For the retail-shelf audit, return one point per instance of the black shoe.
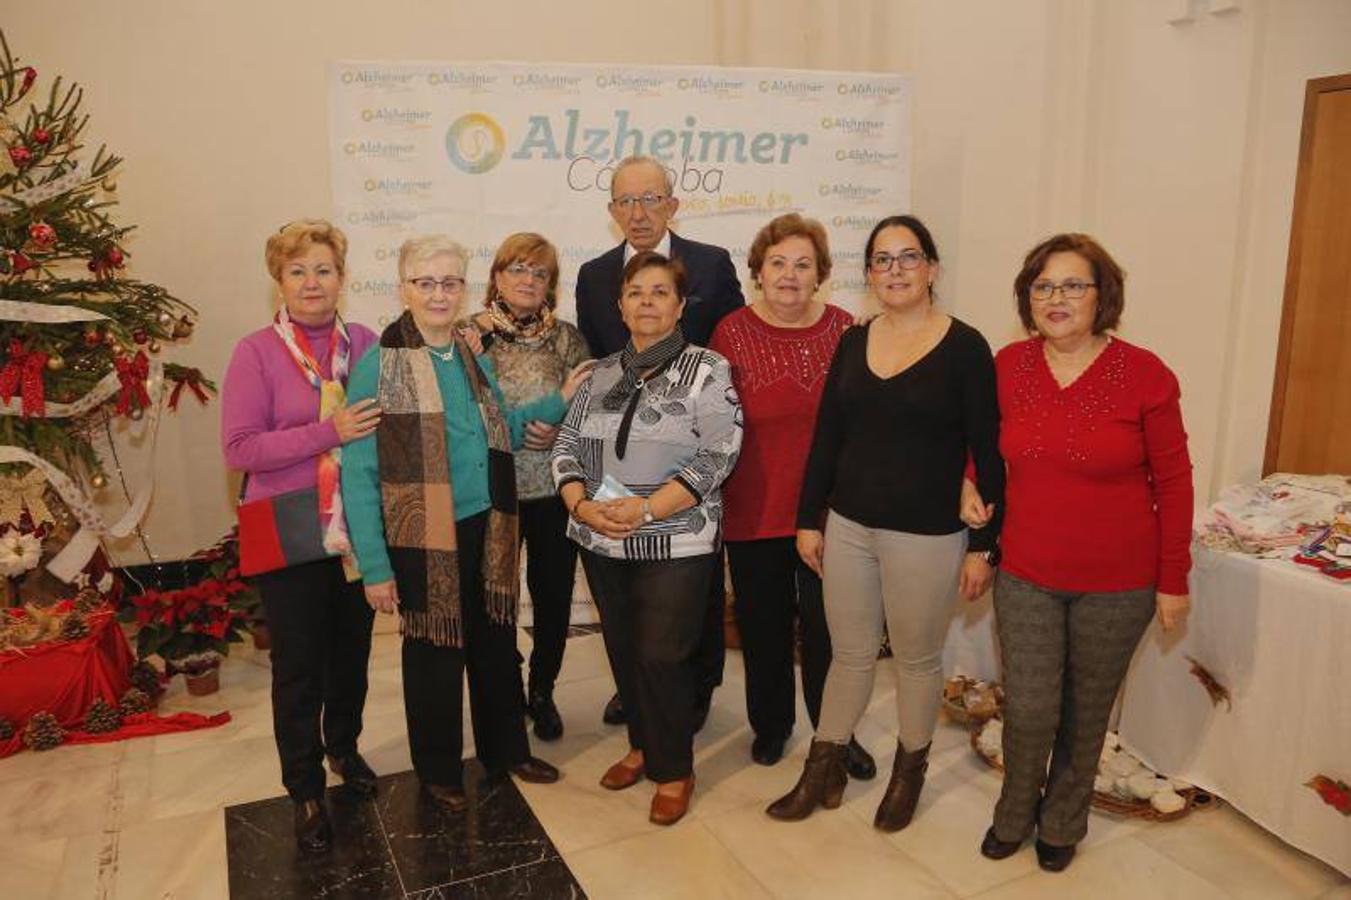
(1054, 859)
(356, 775)
(313, 833)
(548, 723)
(702, 705)
(449, 796)
(614, 712)
(535, 771)
(767, 750)
(992, 847)
(859, 763)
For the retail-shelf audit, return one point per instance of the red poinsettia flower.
(1336, 794)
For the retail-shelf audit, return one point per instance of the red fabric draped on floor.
(65, 677)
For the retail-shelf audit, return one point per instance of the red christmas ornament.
(21, 263)
(30, 75)
(20, 156)
(139, 336)
(41, 135)
(42, 234)
(114, 257)
(92, 338)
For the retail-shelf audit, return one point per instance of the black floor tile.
(434, 846)
(265, 864)
(550, 880)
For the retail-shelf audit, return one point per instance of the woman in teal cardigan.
(431, 508)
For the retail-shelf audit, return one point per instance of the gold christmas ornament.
(153, 346)
(183, 328)
(165, 318)
(56, 362)
(98, 480)
(136, 414)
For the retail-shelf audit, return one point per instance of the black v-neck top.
(890, 452)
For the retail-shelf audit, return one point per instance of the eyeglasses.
(909, 259)
(518, 269)
(649, 201)
(427, 286)
(1071, 289)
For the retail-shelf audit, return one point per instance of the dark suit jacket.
(711, 292)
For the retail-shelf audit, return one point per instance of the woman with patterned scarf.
(431, 500)
(532, 352)
(639, 463)
(284, 423)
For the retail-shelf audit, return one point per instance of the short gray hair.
(425, 246)
(630, 161)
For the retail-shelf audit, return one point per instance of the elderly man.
(642, 204)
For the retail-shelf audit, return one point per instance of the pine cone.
(134, 701)
(88, 600)
(74, 627)
(6, 729)
(43, 732)
(102, 717)
(145, 678)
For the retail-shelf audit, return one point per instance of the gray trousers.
(911, 581)
(1064, 655)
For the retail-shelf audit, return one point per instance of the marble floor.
(146, 818)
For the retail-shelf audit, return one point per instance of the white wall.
(1174, 143)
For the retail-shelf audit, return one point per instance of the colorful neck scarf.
(332, 397)
(510, 327)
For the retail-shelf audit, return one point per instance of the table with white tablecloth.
(1277, 636)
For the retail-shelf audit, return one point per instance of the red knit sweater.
(1099, 481)
(778, 373)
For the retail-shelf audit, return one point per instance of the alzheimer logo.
(475, 143)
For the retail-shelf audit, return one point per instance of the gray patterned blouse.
(526, 371)
(687, 426)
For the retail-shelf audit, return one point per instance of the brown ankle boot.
(822, 784)
(902, 796)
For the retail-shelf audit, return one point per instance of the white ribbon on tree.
(46, 313)
(76, 554)
(105, 390)
(47, 190)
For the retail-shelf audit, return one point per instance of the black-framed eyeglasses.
(1070, 289)
(908, 259)
(648, 201)
(427, 286)
(519, 269)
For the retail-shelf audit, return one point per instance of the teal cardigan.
(465, 436)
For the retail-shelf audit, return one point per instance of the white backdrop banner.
(481, 150)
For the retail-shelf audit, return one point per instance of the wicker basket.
(954, 691)
(1193, 797)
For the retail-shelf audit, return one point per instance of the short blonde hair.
(425, 246)
(527, 247)
(294, 238)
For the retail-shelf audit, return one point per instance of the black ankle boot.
(548, 723)
(1052, 858)
(313, 833)
(902, 796)
(859, 763)
(822, 784)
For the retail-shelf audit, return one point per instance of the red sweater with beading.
(1099, 494)
(778, 374)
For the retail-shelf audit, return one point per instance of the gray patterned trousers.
(1065, 655)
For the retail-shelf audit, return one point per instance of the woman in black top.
(904, 399)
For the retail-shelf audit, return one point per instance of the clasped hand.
(616, 519)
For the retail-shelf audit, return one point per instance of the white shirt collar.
(663, 247)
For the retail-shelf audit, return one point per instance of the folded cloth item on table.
(1274, 516)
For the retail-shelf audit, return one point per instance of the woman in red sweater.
(780, 348)
(1096, 535)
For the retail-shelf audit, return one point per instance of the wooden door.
(1310, 426)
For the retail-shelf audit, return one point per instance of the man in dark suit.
(642, 203)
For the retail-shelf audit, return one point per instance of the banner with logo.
(481, 150)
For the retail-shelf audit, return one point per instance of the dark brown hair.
(781, 229)
(650, 259)
(526, 247)
(1110, 280)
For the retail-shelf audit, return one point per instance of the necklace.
(445, 355)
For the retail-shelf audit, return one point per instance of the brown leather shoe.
(620, 776)
(535, 771)
(449, 796)
(667, 810)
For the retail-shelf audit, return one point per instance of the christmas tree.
(78, 339)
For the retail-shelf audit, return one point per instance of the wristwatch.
(648, 518)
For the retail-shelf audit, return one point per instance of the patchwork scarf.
(509, 327)
(417, 497)
(332, 396)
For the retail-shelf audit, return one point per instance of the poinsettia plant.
(200, 620)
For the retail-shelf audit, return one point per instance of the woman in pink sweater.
(283, 420)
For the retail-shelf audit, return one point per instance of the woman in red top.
(780, 349)
(1095, 538)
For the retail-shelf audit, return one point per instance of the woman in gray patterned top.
(533, 352)
(639, 462)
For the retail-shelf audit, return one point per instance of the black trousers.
(550, 570)
(651, 613)
(321, 643)
(433, 682)
(711, 653)
(773, 591)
